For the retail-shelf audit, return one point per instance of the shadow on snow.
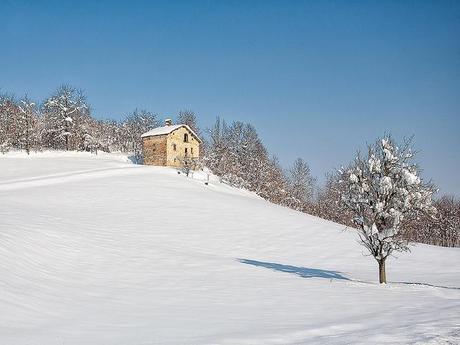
(303, 272)
(428, 285)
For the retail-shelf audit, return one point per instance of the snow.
(166, 130)
(386, 185)
(95, 250)
(161, 130)
(410, 178)
(353, 178)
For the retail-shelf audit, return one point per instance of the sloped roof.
(166, 130)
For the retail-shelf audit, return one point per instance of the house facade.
(170, 145)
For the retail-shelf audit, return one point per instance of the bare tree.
(238, 156)
(442, 230)
(188, 117)
(382, 188)
(137, 123)
(328, 205)
(301, 182)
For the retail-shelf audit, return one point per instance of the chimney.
(168, 122)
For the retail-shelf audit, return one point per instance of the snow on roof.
(166, 130)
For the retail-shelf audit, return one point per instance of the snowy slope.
(94, 250)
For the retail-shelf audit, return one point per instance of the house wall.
(177, 138)
(154, 150)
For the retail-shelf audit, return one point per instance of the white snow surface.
(95, 250)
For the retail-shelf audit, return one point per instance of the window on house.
(185, 138)
(174, 147)
(191, 150)
(186, 151)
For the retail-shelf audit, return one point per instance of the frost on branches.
(18, 123)
(381, 190)
(65, 113)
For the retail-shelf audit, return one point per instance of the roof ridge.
(164, 130)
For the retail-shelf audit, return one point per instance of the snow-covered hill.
(95, 250)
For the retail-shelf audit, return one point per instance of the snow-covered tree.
(8, 111)
(381, 189)
(61, 114)
(27, 124)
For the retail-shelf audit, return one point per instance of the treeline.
(233, 151)
(236, 154)
(64, 122)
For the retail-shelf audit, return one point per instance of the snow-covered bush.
(381, 189)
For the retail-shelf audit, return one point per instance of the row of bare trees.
(238, 156)
(233, 151)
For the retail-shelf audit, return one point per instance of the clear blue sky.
(318, 79)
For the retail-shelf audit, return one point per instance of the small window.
(185, 138)
(186, 151)
(174, 147)
(191, 150)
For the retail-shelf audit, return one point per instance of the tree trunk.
(66, 134)
(27, 140)
(382, 273)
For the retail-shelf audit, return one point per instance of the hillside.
(95, 250)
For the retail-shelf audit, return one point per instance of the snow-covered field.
(95, 250)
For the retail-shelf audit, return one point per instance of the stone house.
(170, 145)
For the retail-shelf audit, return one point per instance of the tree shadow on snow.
(303, 272)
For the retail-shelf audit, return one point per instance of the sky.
(318, 79)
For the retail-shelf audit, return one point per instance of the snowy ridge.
(101, 155)
(95, 250)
